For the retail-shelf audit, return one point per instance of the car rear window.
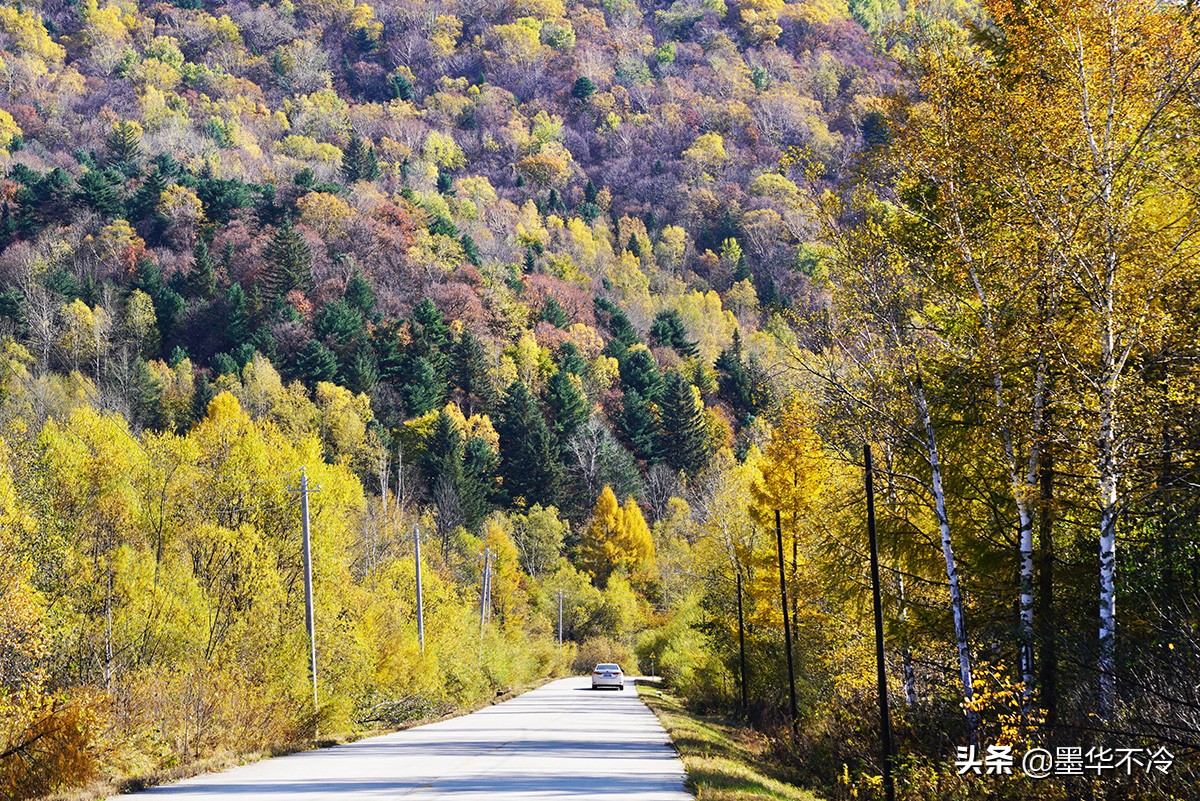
(608, 667)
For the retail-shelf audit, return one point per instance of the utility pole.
(885, 718)
(420, 594)
(483, 593)
(742, 645)
(308, 586)
(787, 630)
(488, 616)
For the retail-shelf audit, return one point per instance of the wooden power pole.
(420, 594)
(885, 718)
(787, 629)
(308, 586)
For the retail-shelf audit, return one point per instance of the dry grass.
(723, 762)
(105, 788)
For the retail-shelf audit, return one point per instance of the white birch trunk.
(943, 518)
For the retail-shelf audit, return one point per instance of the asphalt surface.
(563, 741)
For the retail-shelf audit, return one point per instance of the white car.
(607, 674)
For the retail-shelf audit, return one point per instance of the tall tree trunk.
(1048, 638)
(1109, 497)
(943, 518)
(908, 671)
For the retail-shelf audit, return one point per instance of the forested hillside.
(598, 289)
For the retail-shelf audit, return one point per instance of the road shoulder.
(723, 762)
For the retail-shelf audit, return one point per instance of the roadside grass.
(108, 787)
(723, 762)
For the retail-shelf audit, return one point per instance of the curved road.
(562, 741)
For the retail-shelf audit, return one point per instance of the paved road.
(563, 741)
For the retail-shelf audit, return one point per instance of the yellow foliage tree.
(616, 539)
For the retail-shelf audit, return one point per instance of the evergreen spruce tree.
(431, 338)
(479, 468)
(237, 317)
(144, 202)
(530, 263)
(551, 312)
(353, 158)
(668, 330)
(742, 271)
(360, 296)
(639, 372)
(619, 326)
(470, 250)
(568, 406)
(639, 426)
(529, 465)
(733, 380)
(424, 390)
(443, 451)
(583, 88)
(402, 88)
(289, 263)
(201, 397)
(361, 373)
(683, 438)
(370, 168)
(316, 363)
(472, 375)
(202, 278)
(124, 144)
(633, 247)
(100, 193)
(392, 361)
(570, 360)
(590, 192)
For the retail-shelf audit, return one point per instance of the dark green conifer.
(570, 359)
(551, 312)
(638, 424)
(568, 406)
(353, 158)
(144, 202)
(289, 263)
(742, 271)
(361, 373)
(201, 397)
(472, 374)
(361, 296)
(668, 330)
(470, 250)
(402, 88)
(202, 277)
(424, 389)
(683, 438)
(124, 144)
(479, 469)
(640, 372)
(583, 88)
(443, 453)
(619, 326)
(316, 363)
(237, 316)
(529, 465)
(100, 192)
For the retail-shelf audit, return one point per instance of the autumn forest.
(584, 296)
